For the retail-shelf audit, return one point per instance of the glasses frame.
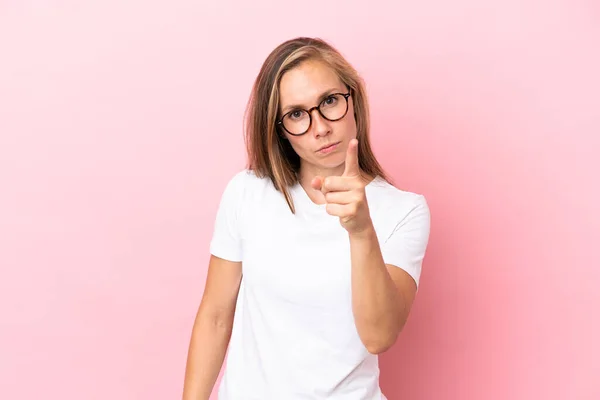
(309, 112)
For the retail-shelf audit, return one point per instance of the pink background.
(120, 124)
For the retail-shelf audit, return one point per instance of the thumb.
(317, 183)
(351, 168)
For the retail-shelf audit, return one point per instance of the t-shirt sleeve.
(405, 247)
(226, 241)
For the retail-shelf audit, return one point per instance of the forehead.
(305, 83)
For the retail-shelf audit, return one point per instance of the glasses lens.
(296, 122)
(334, 107)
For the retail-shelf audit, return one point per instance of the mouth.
(328, 148)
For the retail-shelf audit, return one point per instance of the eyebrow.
(322, 97)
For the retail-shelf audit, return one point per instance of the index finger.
(351, 167)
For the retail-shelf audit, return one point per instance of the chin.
(331, 165)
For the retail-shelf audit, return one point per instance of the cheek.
(298, 144)
(349, 125)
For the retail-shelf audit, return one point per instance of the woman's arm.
(212, 328)
(382, 295)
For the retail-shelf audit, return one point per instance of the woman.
(315, 257)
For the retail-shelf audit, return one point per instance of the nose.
(320, 125)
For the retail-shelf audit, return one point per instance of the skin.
(382, 295)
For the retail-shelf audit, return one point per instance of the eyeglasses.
(333, 108)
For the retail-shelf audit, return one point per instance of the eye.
(296, 114)
(331, 100)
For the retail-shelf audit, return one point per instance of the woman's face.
(305, 87)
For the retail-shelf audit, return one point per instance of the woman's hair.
(269, 152)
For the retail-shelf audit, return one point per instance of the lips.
(328, 145)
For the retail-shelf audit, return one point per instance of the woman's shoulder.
(247, 177)
(247, 181)
(250, 193)
(387, 191)
(389, 199)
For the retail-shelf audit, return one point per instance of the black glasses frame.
(318, 108)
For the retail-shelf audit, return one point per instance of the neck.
(307, 174)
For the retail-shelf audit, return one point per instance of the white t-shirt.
(294, 335)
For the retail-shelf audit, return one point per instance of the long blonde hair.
(269, 153)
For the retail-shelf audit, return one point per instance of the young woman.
(315, 256)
